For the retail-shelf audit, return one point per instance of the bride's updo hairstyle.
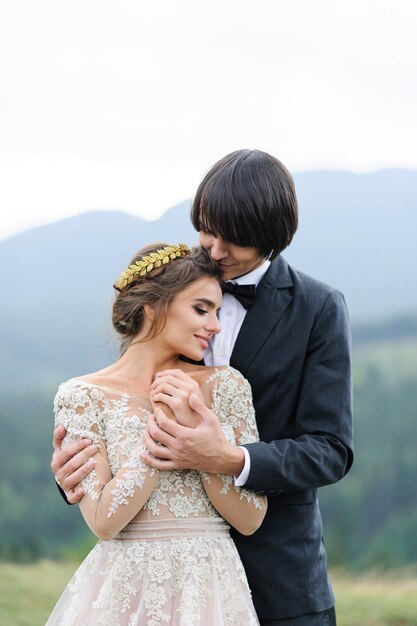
(158, 285)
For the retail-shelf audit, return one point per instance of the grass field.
(29, 592)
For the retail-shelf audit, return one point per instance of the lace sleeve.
(110, 501)
(232, 403)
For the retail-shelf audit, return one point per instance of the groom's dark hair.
(248, 199)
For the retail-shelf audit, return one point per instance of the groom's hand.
(203, 448)
(71, 464)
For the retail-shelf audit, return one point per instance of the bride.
(165, 555)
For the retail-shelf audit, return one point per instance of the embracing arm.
(243, 509)
(71, 464)
(209, 442)
(320, 453)
(110, 502)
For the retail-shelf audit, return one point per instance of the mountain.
(55, 319)
(357, 232)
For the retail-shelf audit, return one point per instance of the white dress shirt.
(231, 317)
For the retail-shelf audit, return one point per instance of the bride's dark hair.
(157, 288)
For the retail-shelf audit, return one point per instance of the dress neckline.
(130, 394)
(112, 389)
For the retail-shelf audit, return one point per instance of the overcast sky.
(124, 105)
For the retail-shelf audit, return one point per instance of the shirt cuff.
(243, 476)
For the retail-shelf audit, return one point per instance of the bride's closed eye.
(200, 310)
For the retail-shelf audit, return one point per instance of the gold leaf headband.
(149, 262)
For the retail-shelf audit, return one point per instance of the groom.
(288, 334)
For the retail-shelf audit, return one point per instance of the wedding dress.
(166, 556)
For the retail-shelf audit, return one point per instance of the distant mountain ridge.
(357, 232)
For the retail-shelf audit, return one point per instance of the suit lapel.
(272, 298)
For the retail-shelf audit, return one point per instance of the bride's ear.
(148, 312)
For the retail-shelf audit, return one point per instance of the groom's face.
(233, 261)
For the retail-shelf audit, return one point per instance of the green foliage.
(376, 599)
(395, 543)
(370, 517)
(34, 521)
(29, 592)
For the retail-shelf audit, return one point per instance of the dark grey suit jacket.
(294, 348)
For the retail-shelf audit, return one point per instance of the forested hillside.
(357, 232)
(370, 517)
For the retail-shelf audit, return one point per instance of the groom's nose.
(218, 249)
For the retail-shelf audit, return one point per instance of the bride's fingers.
(166, 380)
(177, 378)
(176, 403)
(163, 388)
(166, 387)
(171, 402)
(177, 373)
(162, 392)
(174, 382)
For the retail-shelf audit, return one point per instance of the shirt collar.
(254, 277)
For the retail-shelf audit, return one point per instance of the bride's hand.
(174, 388)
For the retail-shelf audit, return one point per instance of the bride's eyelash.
(200, 310)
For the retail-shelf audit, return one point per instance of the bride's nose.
(213, 325)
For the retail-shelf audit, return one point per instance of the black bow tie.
(245, 294)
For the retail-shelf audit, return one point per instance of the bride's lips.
(203, 341)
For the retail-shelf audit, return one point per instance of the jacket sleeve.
(110, 502)
(321, 451)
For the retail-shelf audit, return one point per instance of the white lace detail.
(156, 582)
(232, 403)
(125, 487)
(114, 423)
(118, 422)
(162, 582)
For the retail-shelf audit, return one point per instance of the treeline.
(397, 327)
(370, 517)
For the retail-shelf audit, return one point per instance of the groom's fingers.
(162, 429)
(155, 448)
(58, 437)
(62, 457)
(74, 495)
(159, 464)
(157, 455)
(198, 406)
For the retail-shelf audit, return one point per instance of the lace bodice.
(122, 488)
